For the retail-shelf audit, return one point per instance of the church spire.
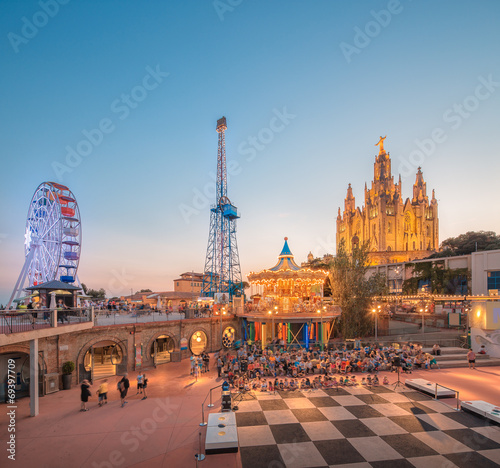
(419, 188)
(350, 202)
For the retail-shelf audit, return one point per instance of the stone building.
(397, 230)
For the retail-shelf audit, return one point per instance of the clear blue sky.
(343, 76)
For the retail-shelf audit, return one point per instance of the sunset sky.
(307, 89)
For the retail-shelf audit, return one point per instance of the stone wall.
(56, 350)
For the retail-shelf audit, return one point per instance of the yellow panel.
(492, 319)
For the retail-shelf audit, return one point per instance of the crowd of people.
(295, 368)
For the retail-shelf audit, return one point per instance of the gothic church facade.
(397, 230)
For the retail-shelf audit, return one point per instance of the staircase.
(104, 370)
(457, 357)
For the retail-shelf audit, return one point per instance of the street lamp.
(376, 323)
(423, 322)
(320, 311)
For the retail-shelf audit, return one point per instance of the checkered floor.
(361, 427)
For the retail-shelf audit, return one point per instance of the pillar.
(34, 410)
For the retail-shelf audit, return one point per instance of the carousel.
(288, 305)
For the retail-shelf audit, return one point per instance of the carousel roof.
(285, 260)
(286, 268)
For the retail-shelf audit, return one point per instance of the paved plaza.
(356, 427)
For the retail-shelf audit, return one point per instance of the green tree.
(353, 291)
(94, 293)
(143, 291)
(467, 243)
(441, 280)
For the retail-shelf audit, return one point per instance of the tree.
(95, 294)
(143, 291)
(324, 263)
(353, 291)
(440, 280)
(467, 243)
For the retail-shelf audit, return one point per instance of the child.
(139, 384)
(103, 393)
(354, 381)
(386, 380)
(375, 380)
(363, 381)
(369, 380)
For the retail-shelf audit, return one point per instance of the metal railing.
(447, 388)
(24, 320)
(120, 317)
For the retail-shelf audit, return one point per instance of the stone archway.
(102, 357)
(160, 348)
(16, 359)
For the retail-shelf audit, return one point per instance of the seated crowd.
(292, 368)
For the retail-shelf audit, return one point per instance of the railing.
(119, 317)
(447, 388)
(24, 320)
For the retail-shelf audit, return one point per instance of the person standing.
(471, 357)
(85, 395)
(139, 384)
(144, 385)
(123, 387)
(219, 366)
(103, 393)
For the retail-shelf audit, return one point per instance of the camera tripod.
(241, 396)
(398, 383)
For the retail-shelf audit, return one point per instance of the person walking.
(123, 386)
(471, 357)
(103, 393)
(144, 385)
(84, 397)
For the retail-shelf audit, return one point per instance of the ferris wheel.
(53, 238)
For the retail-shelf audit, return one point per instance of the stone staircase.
(457, 357)
(104, 370)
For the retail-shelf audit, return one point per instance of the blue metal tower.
(222, 263)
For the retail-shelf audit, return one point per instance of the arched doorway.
(161, 349)
(17, 365)
(103, 359)
(198, 342)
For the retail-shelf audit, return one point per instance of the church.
(397, 230)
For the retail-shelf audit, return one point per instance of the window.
(177, 283)
(389, 227)
(494, 279)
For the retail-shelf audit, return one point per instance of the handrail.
(448, 388)
(203, 423)
(210, 405)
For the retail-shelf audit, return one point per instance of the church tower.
(396, 230)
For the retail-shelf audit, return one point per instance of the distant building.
(483, 268)
(189, 282)
(397, 231)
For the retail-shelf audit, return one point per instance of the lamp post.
(376, 324)
(423, 323)
(320, 311)
(397, 270)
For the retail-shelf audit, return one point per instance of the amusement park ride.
(222, 273)
(53, 239)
